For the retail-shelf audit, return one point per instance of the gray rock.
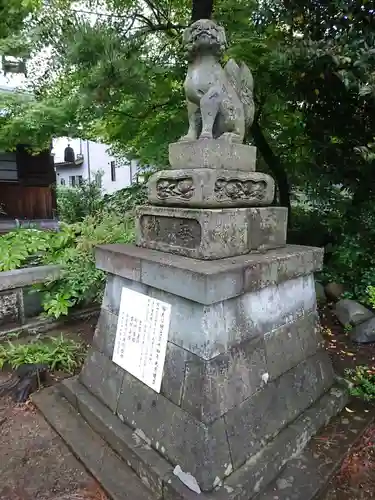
(350, 312)
(364, 333)
(334, 291)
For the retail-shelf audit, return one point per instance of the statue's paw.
(205, 135)
(187, 138)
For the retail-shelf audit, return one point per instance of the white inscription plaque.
(141, 337)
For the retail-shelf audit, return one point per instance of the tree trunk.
(275, 165)
(202, 9)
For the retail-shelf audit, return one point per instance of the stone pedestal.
(246, 381)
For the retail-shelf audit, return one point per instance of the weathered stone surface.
(364, 333)
(215, 386)
(263, 467)
(9, 307)
(207, 282)
(19, 278)
(267, 228)
(102, 377)
(350, 312)
(202, 234)
(211, 234)
(115, 475)
(209, 153)
(149, 465)
(334, 291)
(289, 345)
(199, 449)
(208, 188)
(219, 100)
(105, 332)
(307, 474)
(91, 446)
(113, 290)
(211, 330)
(258, 419)
(174, 373)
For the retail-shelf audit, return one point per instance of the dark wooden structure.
(27, 185)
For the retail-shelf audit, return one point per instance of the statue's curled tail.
(242, 80)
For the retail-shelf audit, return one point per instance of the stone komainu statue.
(220, 100)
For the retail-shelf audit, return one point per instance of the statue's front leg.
(193, 115)
(210, 104)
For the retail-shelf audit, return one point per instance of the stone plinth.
(209, 188)
(246, 382)
(211, 233)
(213, 154)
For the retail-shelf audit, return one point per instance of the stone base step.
(116, 477)
(307, 475)
(128, 468)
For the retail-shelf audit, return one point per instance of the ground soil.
(34, 462)
(356, 478)
(36, 465)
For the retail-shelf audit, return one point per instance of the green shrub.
(73, 248)
(23, 247)
(76, 203)
(57, 353)
(353, 258)
(81, 282)
(362, 382)
(126, 199)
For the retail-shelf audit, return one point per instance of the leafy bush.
(23, 247)
(362, 382)
(353, 258)
(57, 353)
(76, 203)
(125, 199)
(80, 282)
(72, 247)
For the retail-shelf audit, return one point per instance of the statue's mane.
(218, 43)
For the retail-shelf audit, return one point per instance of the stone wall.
(17, 301)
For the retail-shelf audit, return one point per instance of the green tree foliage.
(115, 73)
(116, 69)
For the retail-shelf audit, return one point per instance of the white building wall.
(96, 159)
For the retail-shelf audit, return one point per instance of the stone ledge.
(116, 477)
(103, 435)
(208, 282)
(28, 276)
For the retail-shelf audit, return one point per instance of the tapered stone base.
(121, 458)
(245, 384)
(245, 381)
